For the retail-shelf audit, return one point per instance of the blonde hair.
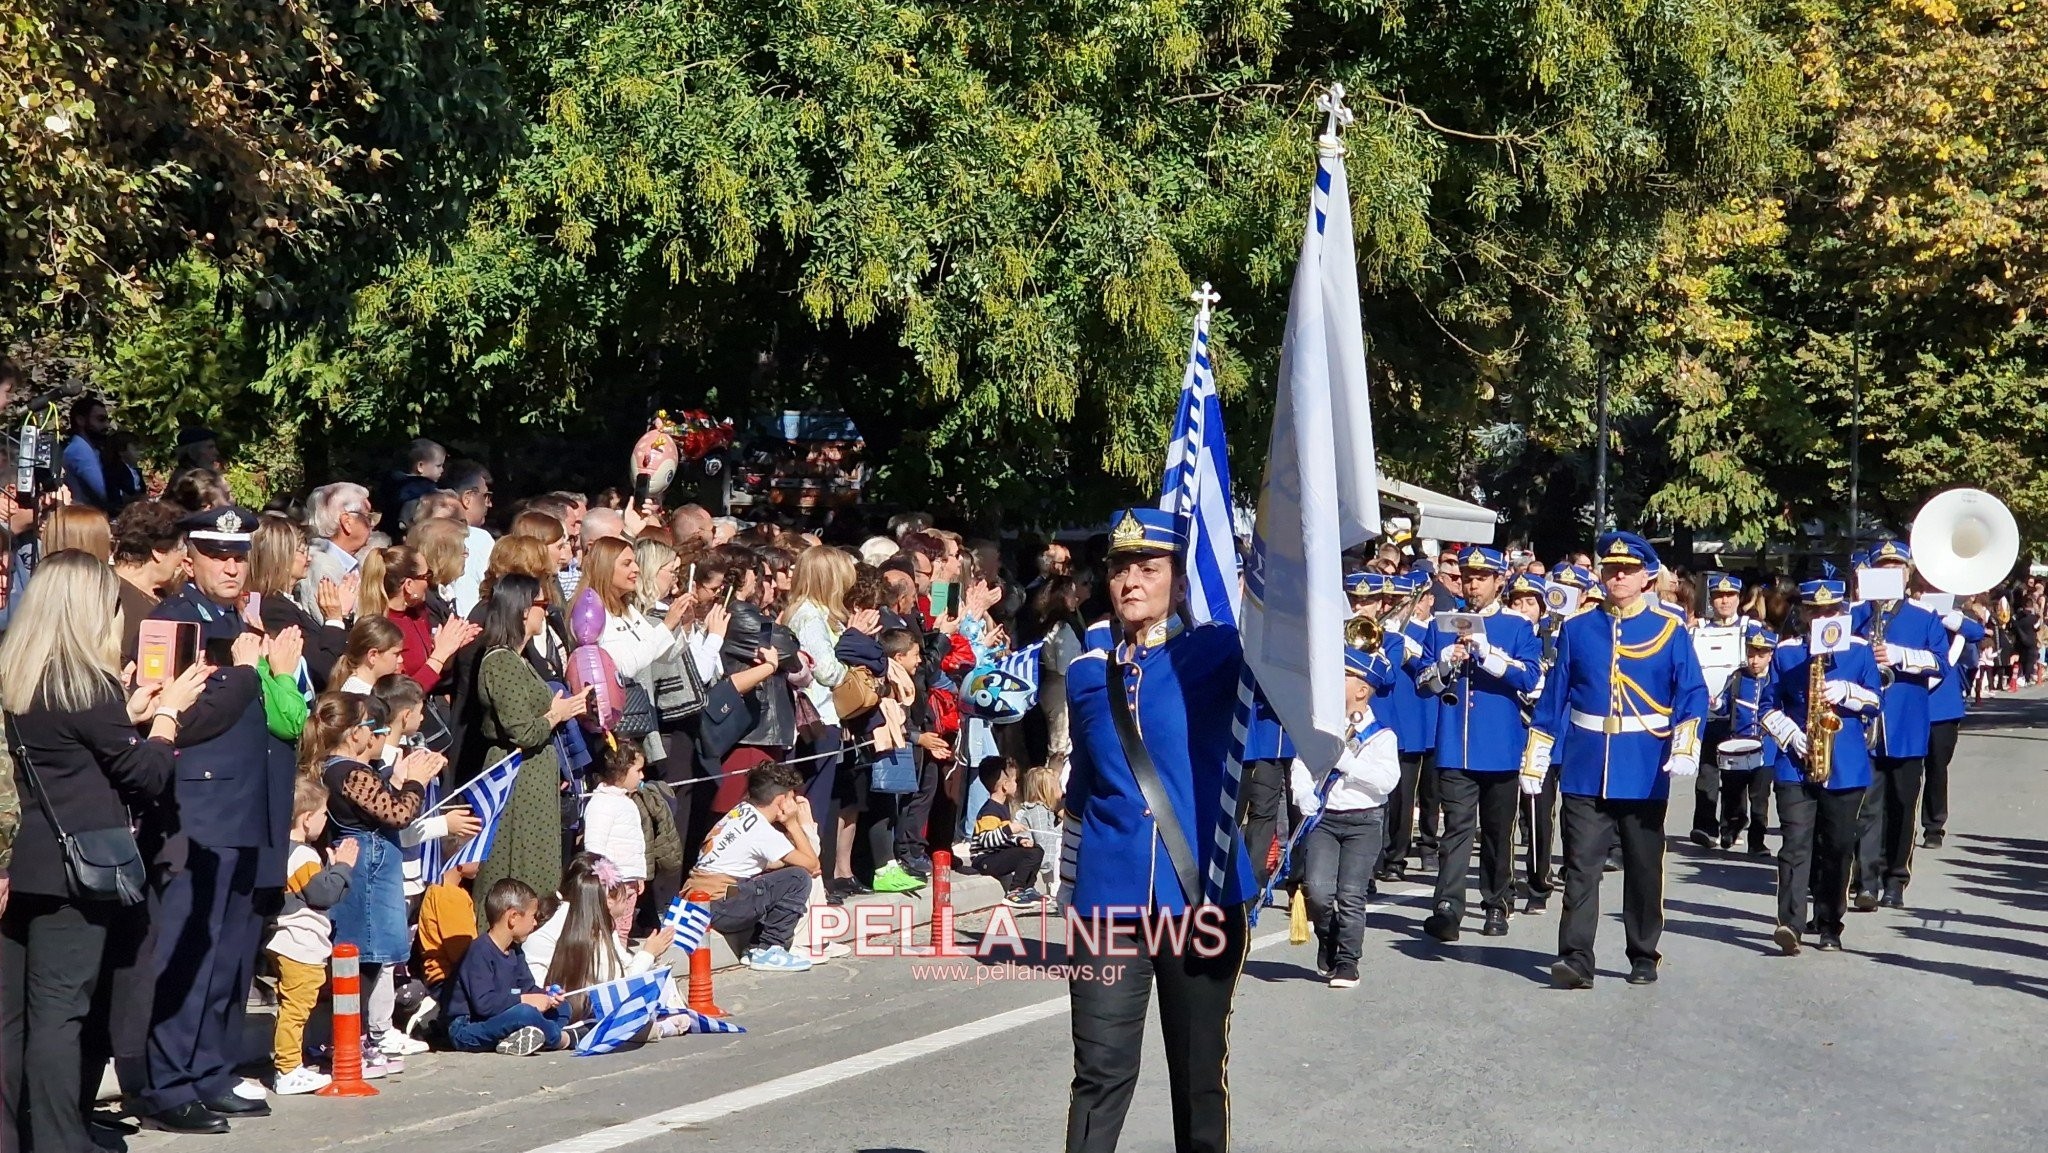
(384, 571)
(63, 647)
(273, 553)
(78, 527)
(1042, 787)
(600, 561)
(653, 555)
(443, 545)
(822, 577)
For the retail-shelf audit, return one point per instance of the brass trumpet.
(1364, 633)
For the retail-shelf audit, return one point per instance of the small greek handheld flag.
(699, 1023)
(623, 1010)
(487, 797)
(690, 920)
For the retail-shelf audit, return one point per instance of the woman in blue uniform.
(1151, 724)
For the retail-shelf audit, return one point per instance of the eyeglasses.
(369, 516)
(540, 602)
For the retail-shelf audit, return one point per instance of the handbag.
(894, 771)
(855, 696)
(638, 718)
(678, 691)
(99, 864)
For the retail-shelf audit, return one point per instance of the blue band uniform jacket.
(1625, 697)
(1858, 669)
(1945, 701)
(1183, 689)
(1481, 727)
(1414, 713)
(1918, 646)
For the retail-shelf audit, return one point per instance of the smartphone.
(252, 611)
(943, 596)
(164, 650)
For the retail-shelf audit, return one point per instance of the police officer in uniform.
(1910, 646)
(1479, 681)
(231, 807)
(1152, 735)
(1817, 813)
(1718, 640)
(1626, 700)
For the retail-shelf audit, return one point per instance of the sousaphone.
(1965, 541)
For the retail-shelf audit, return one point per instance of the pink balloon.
(591, 666)
(586, 618)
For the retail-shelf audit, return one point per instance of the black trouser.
(1015, 866)
(50, 956)
(821, 788)
(1592, 826)
(1706, 787)
(1111, 998)
(1539, 820)
(916, 810)
(1941, 749)
(1401, 814)
(1487, 800)
(1746, 801)
(1817, 833)
(1887, 825)
(1429, 808)
(1265, 791)
(1338, 856)
(208, 934)
(766, 908)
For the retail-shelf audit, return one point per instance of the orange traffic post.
(348, 1028)
(942, 902)
(700, 969)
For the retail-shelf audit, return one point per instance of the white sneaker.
(829, 951)
(524, 1041)
(397, 1044)
(250, 1089)
(776, 959)
(304, 1079)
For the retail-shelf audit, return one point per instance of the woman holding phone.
(519, 712)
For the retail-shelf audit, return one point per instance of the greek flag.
(699, 1023)
(1319, 495)
(623, 1010)
(690, 920)
(487, 797)
(1197, 487)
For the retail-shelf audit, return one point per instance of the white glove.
(1309, 804)
(1532, 784)
(1952, 620)
(1781, 727)
(1446, 668)
(1795, 743)
(1478, 647)
(1685, 765)
(1495, 662)
(1837, 692)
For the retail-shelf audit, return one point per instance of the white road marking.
(664, 1123)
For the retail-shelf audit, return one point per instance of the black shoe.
(1813, 924)
(1496, 923)
(1759, 849)
(1344, 976)
(1643, 973)
(1788, 940)
(1829, 943)
(1539, 904)
(1894, 898)
(1326, 957)
(1398, 871)
(1613, 865)
(189, 1118)
(1932, 840)
(1727, 843)
(1566, 975)
(919, 867)
(232, 1105)
(1703, 838)
(1866, 902)
(1442, 924)
(1430, 864)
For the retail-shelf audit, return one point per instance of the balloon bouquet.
(590, 667)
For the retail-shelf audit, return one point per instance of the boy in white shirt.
(757, 866)
(1347, 807)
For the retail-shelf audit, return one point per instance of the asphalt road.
(1924, 1035)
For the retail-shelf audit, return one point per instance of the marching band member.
(1747, 754)
(1945, 708)
(1910, 646)
(1411, 715)
(1625, 701)
(1538, 812)
(1818, 801)
(1151, 726)
(1717, 639)
(1479, 681)
(1346, 814)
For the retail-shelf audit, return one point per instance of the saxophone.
(1881, 619)
(1821, 723)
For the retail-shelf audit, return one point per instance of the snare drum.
(1740, 754)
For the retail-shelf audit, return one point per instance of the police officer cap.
(1523, 584)
(1823, 593)
(1722, 582)
(1137, 531)
(1624, 548)
(1479, 558)
(1891, 550)
(224, 529)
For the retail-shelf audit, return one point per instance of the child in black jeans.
(1003, 848)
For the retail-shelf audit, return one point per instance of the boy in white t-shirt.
(757, 866)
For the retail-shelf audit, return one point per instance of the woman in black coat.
(278, 560)
(82, 762)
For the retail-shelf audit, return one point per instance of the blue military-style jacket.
(1945, 702)
(1625, 696)
(1183, 692)
(1855, 667)
(1918, 646)
(1414, 715)
(1479, 723)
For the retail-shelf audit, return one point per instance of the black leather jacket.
(773, 705)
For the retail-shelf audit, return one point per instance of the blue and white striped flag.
(699, 1023)
(623, 1010)
(1197, 487)
(1319, 497)
(1023, 664)
(690, 919)
(486, 796)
